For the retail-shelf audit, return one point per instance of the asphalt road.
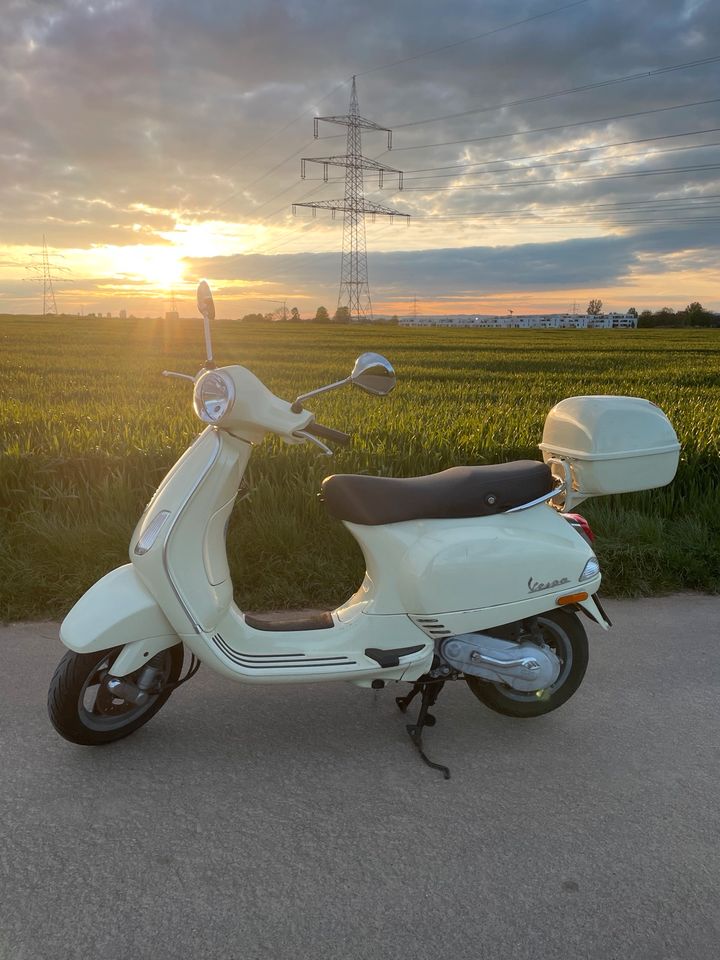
(298, 822)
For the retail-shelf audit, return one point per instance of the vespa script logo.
(537, 586)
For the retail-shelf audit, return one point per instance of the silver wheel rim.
(99, 710)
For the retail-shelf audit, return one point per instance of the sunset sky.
(553, 151)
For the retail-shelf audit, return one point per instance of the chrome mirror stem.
(206, 306)
(298, 404)
(208, 342)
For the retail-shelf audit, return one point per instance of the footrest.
(290, 620)
(391, 658)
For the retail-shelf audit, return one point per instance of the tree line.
(322, 315)
(694, 315)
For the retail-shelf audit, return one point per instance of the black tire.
(563, 632)
(105, 719)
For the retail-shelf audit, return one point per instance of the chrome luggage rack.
(555, 492)
(565, 488)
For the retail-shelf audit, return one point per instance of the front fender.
(118, 610)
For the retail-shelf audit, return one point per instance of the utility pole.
(284, 306)
(354, 284)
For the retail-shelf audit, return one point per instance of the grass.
(88, 428)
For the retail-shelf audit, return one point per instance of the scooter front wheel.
(565, 635)
(82, 708)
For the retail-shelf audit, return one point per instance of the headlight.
(214, 396)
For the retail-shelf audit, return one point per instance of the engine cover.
(523, 666)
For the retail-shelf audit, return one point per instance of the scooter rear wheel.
(83, 710)
(563, 632)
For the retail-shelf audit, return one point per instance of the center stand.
(430, 691)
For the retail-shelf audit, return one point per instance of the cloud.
(467, 271)
(121, 117)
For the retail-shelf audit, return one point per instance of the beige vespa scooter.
(472, 573)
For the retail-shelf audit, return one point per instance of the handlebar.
(327, 433)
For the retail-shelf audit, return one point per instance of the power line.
(561, 126)
(571, 217)
(565, 163)
(284, 209)
(262, 143)
(688, 219)
(222, 203)
(525, 210)
(461, 166)
(269, 249)
(540, 223)
(479, 36)
(559, 163)
(559, 153)
(562, 93)
(386, 66)
(532, 183)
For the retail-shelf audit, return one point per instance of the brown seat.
(457, 492)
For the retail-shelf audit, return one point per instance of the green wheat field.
(88, 428)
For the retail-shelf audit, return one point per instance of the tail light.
(580, 523)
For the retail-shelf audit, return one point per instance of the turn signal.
(149, 535)
(571, 598)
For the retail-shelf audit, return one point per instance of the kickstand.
(430, 693)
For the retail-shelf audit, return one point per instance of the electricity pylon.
(42, 271)
(172, 313)
(354, 285)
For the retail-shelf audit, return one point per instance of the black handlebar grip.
(327, 433)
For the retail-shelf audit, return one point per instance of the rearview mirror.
(374, 374)
(205, 302)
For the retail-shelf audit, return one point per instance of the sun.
(159, 267)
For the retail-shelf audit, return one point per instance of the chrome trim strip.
(315, 663)
(533, 503)
(188, 613)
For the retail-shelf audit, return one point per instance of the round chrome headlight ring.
(213, 396)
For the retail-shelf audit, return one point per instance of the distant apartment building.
(123, 315)
(529, 321)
